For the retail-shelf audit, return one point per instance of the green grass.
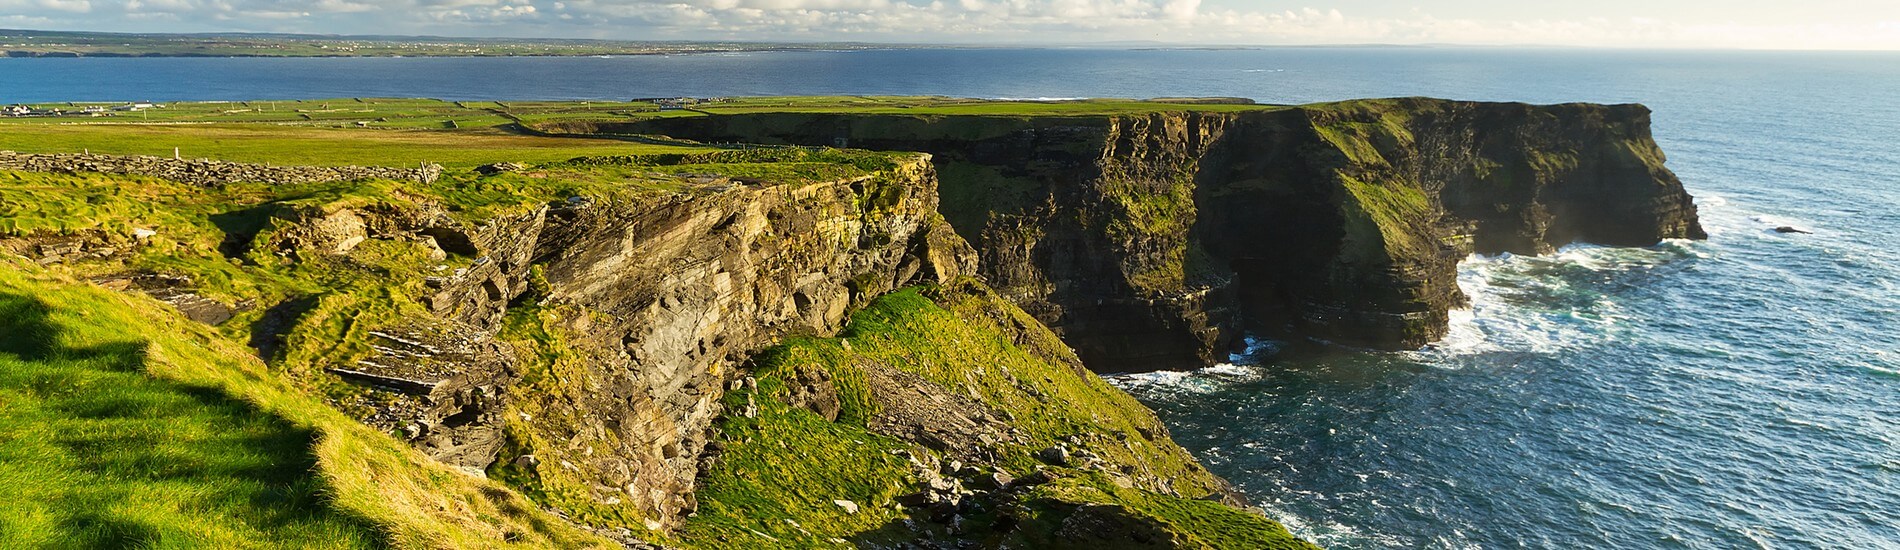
(126, 425)
(927, 105)
(788, 463)
(295, 145)
(777, 481)
(1393, 216)
(96, 453)
(64, 203)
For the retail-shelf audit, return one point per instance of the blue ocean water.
(1740, 392)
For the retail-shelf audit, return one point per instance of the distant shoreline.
(21, 43)
(127, 55)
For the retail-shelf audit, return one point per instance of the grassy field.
(406, 132)
(436, 114)
(953, 106)
(140, 460)
(291, 145)
(122, 425)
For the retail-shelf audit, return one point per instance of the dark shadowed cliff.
(1153, 240)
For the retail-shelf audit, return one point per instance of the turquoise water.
(1741, 392)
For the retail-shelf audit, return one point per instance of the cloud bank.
(958, 21)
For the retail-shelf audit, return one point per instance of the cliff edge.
(1153, 240)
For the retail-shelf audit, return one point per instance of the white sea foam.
(1507, 293)
(1203, 380)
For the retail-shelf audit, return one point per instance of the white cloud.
(979, 21)
(72, 6)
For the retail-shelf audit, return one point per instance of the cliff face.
(591, 332)
(1083, 222)
(1151, 241)
(580, 350)
(659, 303)
(1346, 222)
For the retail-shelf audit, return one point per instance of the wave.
(1881, 371)
(1545, 304)
(1204, 380)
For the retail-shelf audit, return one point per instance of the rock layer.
(1153, 240)
(669, 298)
(654, 302)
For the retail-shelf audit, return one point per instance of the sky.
(1753, 24)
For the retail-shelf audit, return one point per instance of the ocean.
(1739, 392)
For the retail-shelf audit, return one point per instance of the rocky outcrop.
(1152, 240)
(207, 172)
(669, 297)
(49, 248)
(648, 307)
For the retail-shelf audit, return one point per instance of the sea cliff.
(1153, 240)
(766, 346)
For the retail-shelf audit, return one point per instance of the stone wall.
(205, 172)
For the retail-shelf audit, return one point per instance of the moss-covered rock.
(949, 400)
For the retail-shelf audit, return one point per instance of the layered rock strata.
(1154, 240)
(656, 302)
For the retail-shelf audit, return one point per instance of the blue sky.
(1809, 24)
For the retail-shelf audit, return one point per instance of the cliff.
(1152, 240)
(753, 346)
(612, 336)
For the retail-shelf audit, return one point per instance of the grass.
(775, 484)
(127, 425)
(296, 145)
(65, 203)
(946, 106)
(96, 453)
(1391, 215)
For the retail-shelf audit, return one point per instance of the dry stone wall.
(207, 173)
